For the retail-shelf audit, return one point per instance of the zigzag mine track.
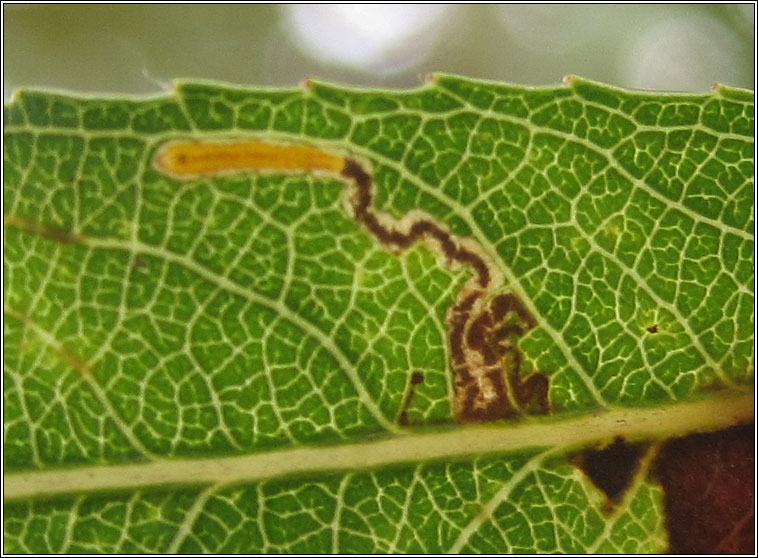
(482, 325)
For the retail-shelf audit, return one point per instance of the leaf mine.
(485, 360)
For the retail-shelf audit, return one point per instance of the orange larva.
(190, 159)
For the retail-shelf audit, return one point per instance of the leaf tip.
(717, 88)
(15, 96)
(162, 84)
(431, 78)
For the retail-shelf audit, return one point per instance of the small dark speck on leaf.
(653, 328)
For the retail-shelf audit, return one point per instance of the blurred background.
(141, 48)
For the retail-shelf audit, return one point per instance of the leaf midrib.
(460, 442)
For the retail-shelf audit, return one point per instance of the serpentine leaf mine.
(482, 325)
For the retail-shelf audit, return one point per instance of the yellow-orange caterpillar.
(192, 159)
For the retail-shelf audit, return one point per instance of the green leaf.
(245, 361)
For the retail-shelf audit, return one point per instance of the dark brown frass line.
(485, 360)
